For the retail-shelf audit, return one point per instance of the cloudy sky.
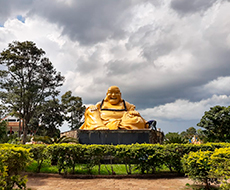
(171, 58)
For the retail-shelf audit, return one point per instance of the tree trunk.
(25, 131)
(19, 129)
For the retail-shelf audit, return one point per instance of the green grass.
(119, 169)
(106, 169)
(46, 168)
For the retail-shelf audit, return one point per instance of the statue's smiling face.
(113, 95)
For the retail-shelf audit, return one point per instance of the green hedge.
(144, 157)
(209, 167)
(13, 161)
(220, 166)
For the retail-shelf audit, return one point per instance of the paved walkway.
(59, 183)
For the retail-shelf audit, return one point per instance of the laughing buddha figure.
(113, 113)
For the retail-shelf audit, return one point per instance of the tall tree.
(27, 79)
(74, 109)
(216, 122)
(47, 119)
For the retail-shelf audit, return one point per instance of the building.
(12, 124)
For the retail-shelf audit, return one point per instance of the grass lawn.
(105, 169)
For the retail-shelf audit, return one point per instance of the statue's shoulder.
(98, 104)
(94, 107)
(129, 106)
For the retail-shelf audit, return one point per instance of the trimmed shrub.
(145, 158)
(220, 162)
(197, 166)
(39, 154)
(3, 172)
(13, 162)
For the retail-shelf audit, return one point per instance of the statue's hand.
(134, 112)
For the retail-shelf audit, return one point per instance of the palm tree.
(55, 140)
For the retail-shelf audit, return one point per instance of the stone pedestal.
(119, 136)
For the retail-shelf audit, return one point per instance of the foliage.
(170, 135)
(197, 166)
(144, 157)
(13, 162)
(173, 154)
(147, 157)
(220, 162)
(48, 117)
(3, 132)
(125, 156)
(174, 138)
(209, 166)
(216, 121)
(27, 80)
(93, 155)
(188, 134)
(39, 154)
(74, 109)
(205, 162)
(50, 140)
(3, 172)
(67, 155)
(13, 139)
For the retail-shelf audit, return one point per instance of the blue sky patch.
(21, 18)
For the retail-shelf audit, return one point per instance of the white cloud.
(184, 109)
(221, 85)
(169, 58)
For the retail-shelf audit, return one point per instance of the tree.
(201, 135)
(27, 79)
(48, 118)
(189, 133)
(216, 122)
(2, 110)
(74, 110)
(3, 133)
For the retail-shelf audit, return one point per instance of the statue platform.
(119, 136)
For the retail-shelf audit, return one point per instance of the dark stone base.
(119, 136)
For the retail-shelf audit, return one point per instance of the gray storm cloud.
(164, 55)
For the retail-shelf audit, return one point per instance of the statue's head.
(113, 95)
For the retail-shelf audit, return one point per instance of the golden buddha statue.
(113, 113)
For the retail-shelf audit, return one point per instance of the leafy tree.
(2, 111)
(216, 122)
(47, 119)
(201, 135)
(27, 79)
(74, 109)
(189, 133)
(3, 129)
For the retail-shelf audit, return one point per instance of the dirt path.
(59, 183)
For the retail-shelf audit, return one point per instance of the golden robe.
(121, 116)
